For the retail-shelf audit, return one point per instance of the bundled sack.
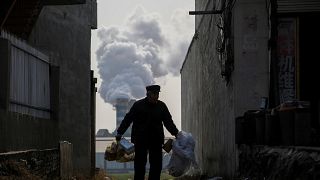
(127, 146)
(111, 151)
(122, 151)
(182, 157)
(122, 156)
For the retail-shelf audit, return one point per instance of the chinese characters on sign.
(287, 59)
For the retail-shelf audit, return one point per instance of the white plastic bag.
(182, 157)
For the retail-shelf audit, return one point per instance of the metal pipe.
(205, 12)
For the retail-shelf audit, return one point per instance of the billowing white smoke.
(132, 57)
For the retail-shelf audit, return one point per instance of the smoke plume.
(133, 56)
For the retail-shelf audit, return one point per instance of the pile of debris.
(16, 170)
(263, 162)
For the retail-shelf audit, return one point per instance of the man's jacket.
(147, 121)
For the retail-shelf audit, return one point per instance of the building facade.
(47, 86)
(243, 52)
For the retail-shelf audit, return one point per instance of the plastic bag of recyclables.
(182, 159)
(122, 151)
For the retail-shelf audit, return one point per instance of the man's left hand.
(118, 137)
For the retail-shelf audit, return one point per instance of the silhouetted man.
(148, 116)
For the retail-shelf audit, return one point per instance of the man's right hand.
(118, 137)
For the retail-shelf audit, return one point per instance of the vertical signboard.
(286, 53)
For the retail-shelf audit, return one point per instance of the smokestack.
(122, 106)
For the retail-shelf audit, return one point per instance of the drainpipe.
(273, 89)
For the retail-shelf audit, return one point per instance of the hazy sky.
(137, 43)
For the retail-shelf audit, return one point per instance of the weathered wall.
(21, 132)
(5, 54)
(64, 33)
(200, 5)
(251, 72)
(209, 104)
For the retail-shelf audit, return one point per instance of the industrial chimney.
(123, 106)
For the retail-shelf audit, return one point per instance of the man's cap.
(155, 88)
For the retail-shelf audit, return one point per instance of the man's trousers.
(142, 148)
